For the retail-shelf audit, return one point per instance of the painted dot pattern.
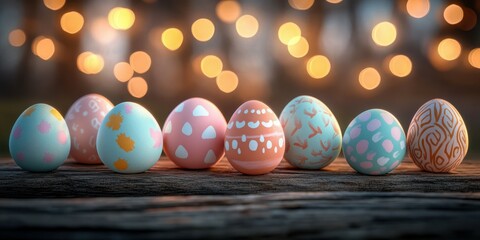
(374, 142)
(129, 139)
(40, 139)
(194, 133)
(312, 133)
(254, 140)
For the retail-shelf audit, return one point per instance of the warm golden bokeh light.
(418, 8)
(453, 14)
(211, 66)
(140, 61)
(71, 22)
(247, 26)
(123, 71)
(228, 10)
(384, 33)
(301, 4)
(474, 58)
(449, 49)
(227, 81)
(17, 38)
(54, 4)
(172, 38)
(369, 78)
(90, 63)
(102, 32)
(121, 18)
(318, 66)
(300, 48)
(43, 47)
(289, 31)
(203, 29)
(334, 1)
(400, 65)
(137, 87)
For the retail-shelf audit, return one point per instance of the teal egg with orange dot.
(374, 142)
(129, 139)
(39, 140)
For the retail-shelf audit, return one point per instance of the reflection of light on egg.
(137, 87)
(54, 4)
(203, 29)
(172, 38)
(369, 78)
(228, 11)
(318, 66)
(384, 34)
(247, 26)
(227, 81)
(301, 4)
(449, 49)
(43, 47)
(17, 37)
(102, 32)
(400, 65)
(289, 31)
(71, 22)
(418, 8)
(140, 61)
(298, 49)
(211, 66)
(121, 18)
(474, 58)
(453, 14)
(123, 71)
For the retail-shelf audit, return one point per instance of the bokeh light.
(228, 10)
(121, 18)
(318, 66)
(384, 34)
(449, 49)
(334, 1)
(418, 8)
(43, 47)
(211, 66)
(247, 26)
(227, 81)
(123, 71)
(102, 32)
(203, 29)
(369, 78)
(300, 48)
(453, 14)
(71, 22)
(301, 4)
(172, 38)
(400, 65)
(137, 87)
(90, 63)
(289, 31)
(54, 4)
(17, 38)
(474, 58)
(140, 61)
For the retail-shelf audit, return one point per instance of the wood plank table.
(92, 202)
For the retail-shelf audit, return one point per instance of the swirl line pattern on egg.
(437, 138)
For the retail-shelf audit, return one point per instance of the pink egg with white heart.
(194, 133)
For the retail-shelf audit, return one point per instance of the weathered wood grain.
(76, 180)
(295, 215)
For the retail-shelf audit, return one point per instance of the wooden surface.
(82, 201)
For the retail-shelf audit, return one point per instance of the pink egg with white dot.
(193, 134)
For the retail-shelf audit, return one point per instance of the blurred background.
(352, 55)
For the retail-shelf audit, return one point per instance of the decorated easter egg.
(437, 139)
(312, 135)
(83, 119)
(374, 142)
(194, 133)
(40, 141)
(129, 139)
(254, 140)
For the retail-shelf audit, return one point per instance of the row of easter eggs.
(128, 139)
